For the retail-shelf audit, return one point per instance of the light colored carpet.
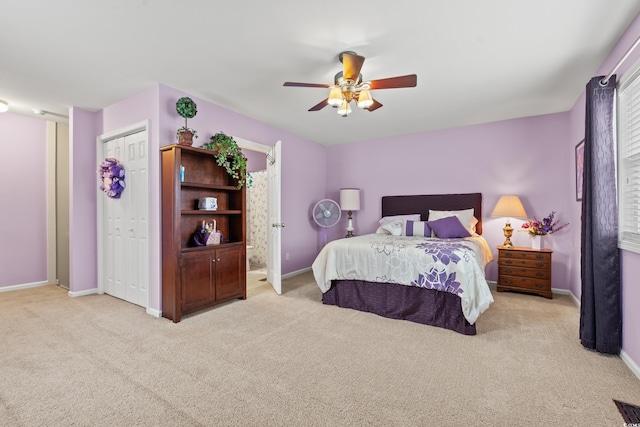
(289, 360)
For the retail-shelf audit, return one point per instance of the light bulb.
(4, 106)
(345, 108)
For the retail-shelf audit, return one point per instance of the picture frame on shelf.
(579, 169)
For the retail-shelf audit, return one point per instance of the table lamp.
(350, 201)
(510, 207)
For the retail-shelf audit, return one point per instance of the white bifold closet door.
(126, 223)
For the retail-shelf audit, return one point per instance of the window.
(629, 160)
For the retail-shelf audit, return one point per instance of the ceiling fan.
(348, 86)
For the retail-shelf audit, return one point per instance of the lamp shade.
(364, 99)
(345, 108)
(335, 97)
(509, 206)
(350, 199)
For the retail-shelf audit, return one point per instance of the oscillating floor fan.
(326, 213)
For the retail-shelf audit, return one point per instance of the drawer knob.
(539, 274)
(507, 281)
(508, 262)
(508, 270)
(539, 285)
(539, 256)
(540, 264)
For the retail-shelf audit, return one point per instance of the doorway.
(272, 225)
(58, 204)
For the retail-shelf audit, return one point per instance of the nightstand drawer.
(527, 263)
(525, 283)
(524, 272)
(523, 254)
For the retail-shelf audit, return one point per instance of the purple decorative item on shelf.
(111, 174)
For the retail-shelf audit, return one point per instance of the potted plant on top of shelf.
(186, 108)
(229, 155)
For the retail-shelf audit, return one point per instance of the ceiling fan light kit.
(349, 86)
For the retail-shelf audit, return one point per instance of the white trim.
(630, 363)
(493, 285)
(83, 293)
(154, 312)
(23, 286)
(128, 130)
(250, 145)
(295, 273)
(566, 292)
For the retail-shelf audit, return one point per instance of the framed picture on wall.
(579, 169)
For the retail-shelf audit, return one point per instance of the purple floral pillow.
(448, 228)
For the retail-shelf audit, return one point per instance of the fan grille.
(326, 213)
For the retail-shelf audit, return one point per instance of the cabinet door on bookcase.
(229, 272)
(198, 288)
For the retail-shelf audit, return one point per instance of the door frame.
(100, 140)
(266, 149)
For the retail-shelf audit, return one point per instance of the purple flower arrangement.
(111, 175)
(543, 227)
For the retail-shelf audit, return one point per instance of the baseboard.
(23, 286)
(154, 312)
(566, 292)
(493, 285)
(83, 293)
(630, 363)
(295, 273)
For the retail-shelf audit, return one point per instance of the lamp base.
(508, 232)
(350, 226)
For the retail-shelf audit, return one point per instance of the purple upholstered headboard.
(399, 205)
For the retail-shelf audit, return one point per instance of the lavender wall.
(23, 195)
(521, 156)
(256, 161)
(83, 184)
(630, 261)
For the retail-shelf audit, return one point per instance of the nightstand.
(524, 270)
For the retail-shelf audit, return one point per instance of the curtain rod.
(605, 81)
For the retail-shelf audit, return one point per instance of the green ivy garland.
(229, 155)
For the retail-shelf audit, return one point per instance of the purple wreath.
(111, 175)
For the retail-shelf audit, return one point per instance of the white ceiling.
(476, 61)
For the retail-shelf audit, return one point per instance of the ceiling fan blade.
(295, 84)
(374, 106)
(410, 80)
(319, 106)
(352, 65)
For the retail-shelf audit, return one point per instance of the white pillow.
(393, 227)
(465, 216)
(410, 217)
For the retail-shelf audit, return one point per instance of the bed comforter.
(449, 265)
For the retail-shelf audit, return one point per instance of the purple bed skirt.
(426, 306)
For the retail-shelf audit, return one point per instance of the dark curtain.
(600, 309)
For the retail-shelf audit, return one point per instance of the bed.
(428, 280)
